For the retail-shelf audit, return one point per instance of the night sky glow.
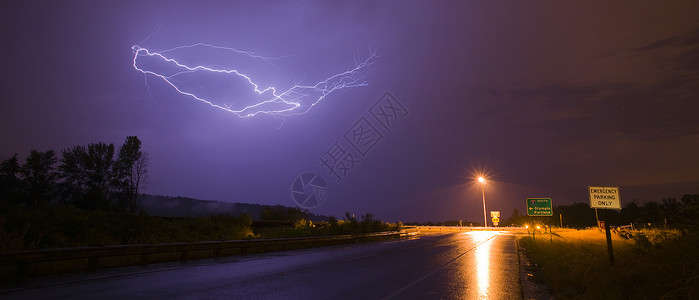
(542, 98)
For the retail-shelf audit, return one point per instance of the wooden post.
(534, 232)
(560, 216)
(609, 242)
(184, 255)
(551, 234)
(92, 263)
(143, 260)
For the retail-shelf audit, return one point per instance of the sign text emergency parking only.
(604, 197)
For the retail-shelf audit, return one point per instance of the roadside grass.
(305, 228)
(66, 226)
(650, 264)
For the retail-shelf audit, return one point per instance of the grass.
(67, 226)
(650, 264)
(304, 228)
(11, 273)
(63, 226)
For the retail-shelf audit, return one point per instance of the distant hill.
(180, 207)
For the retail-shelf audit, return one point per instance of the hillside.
(179, 207)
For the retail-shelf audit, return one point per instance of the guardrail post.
(21, 267)
(143, 260)
(92, 263)
(184, 255)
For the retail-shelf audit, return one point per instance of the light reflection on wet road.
(464, 265)
(483, 262)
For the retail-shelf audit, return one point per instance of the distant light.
(526, 226)
(481, 179)
(538, 227)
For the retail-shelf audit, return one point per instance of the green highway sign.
(539, 207)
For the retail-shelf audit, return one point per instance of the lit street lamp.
(481, 180)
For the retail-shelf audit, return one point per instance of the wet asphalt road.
(463, 265)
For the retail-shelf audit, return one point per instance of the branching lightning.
(296, 100)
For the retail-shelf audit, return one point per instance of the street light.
(481, 180)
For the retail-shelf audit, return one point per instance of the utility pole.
(485, 220)
(482, 181)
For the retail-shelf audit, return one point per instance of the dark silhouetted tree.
(516, 219)
(279, 212)
(130, 171)
(98, 164)
(10, 180)
(670, 209)
(73, 174)
(350, 218)
(630, 213)
(39, 177)
(690, 210)
(576, 215)
(651, 213)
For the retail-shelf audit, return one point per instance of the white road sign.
(604, 197)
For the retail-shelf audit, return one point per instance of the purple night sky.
(545, 97)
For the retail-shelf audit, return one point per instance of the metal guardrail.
(21, 260)
(466, 228)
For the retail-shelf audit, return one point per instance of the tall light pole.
(481, 180)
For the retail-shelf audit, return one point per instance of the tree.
(141, 172)
(73, 173)
(515, 219)
(651, 213)
(130, 171)
(577, 215)
(690, 209)
(98, 164)
(630, 213)
(670, 209)
(39, 177)
(279, 212)
(10, 179)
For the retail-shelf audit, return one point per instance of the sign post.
(605, 198)
(560, 216)
(539, 207)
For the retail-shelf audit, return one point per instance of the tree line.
(92, 177)
(683, 213)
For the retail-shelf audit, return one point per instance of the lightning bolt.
(295, 100)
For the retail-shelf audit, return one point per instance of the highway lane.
(462, 265)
